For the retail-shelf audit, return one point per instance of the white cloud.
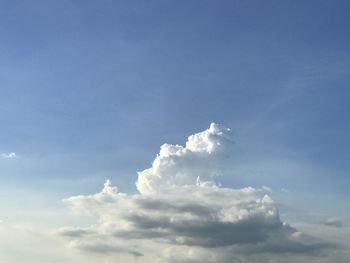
(9, 155)
(178, 165)
(180, 210)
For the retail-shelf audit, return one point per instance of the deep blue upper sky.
(91, 89)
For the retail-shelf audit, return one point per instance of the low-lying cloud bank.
(182, 215)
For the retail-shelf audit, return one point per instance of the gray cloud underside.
(243, 221)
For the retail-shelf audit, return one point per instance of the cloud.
(180, 209)
(74, 232)
(332, 222)
(9, 155)
(178, 165)
(103, 246)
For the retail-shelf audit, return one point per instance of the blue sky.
(91, 89)
(109, 82)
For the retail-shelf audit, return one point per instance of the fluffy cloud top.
(176, 165)
(180, 209)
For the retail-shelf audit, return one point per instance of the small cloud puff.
(9, 155)
(332, 222)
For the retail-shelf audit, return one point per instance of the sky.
(90, 91)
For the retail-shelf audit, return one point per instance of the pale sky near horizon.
(91, 89)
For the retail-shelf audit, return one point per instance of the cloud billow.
(178, 165)
(180, 208)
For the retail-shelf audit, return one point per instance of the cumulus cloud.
(9, 155)
(177, 165)
(181, 210)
